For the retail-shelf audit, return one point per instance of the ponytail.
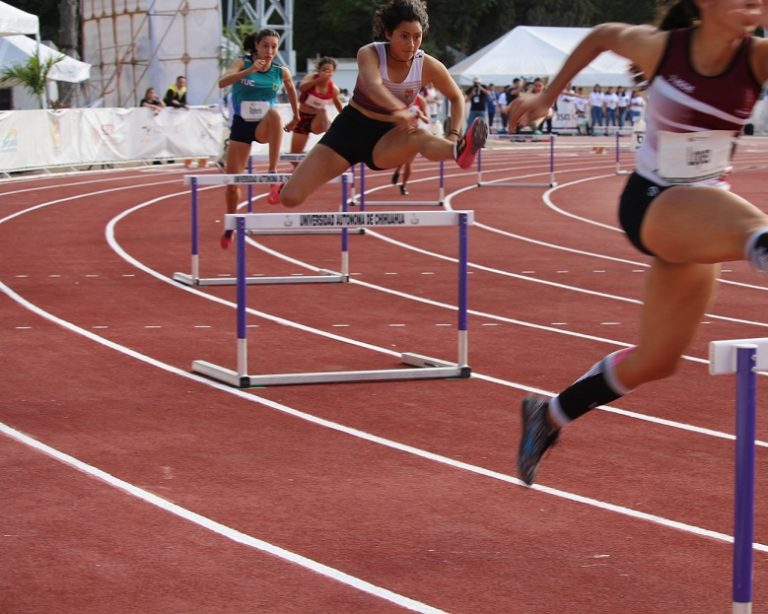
(681, 14)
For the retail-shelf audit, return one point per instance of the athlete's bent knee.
(661, 369)
(290, 197)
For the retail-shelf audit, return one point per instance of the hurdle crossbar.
(423, 367)
(193, 278)
(742, 357)
(551, 138)
(365, 202)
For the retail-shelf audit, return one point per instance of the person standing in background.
(477, 96)
(176, 95)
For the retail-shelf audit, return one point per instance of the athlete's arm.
(293, 99)
(436, 73)
(235, 72)
(336, 99)
(642, 45)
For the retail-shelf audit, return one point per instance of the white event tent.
(15, 21)
(17, 49)
(528, 51)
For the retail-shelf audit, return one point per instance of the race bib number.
(638, 136)
(694, 156)
(315, 102)
(253, 110)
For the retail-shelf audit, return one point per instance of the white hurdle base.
(521, 184)
(328, 278)
(429, 368)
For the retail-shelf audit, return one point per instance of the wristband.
(454, 131)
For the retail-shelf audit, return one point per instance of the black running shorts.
(637, 196)
(243, 131)
(353, 136)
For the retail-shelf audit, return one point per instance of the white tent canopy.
(528, 51)
(18, 49)
(16, 21)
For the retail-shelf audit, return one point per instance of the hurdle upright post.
(744, 502)
(479, 167)
(742, 357)
(344, 231)
(463, 358)
(242, 338)
(442, 181)
(194, 233)
(250, 187)
(362, 186)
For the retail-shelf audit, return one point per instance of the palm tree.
(32, 75)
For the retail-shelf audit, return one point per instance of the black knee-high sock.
(597, 386)
(757, 249)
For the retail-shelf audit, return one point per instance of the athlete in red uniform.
(317, 92)
(676, 206)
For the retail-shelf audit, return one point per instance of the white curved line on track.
(335, 426)
(388, 443)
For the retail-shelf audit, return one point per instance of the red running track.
(132, 485)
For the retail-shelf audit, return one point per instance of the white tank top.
(405, 91)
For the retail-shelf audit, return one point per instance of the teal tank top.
(255, 94)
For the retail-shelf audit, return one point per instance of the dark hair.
(671, 16)
(254, 38)
(325, 60)
(680, 14)
(388, 16)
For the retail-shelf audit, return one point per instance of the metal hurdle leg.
(742, 357)
(402, 203)
(194, 278)
(426, 367)
(521, 184)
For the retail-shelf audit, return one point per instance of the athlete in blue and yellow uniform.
(255, 81)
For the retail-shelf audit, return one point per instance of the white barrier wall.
(32, 140)
(73, 137)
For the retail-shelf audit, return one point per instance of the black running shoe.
(395, 177)
(403, 190)
(536, 438)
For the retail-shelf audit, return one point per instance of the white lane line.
(461, 465)
(217, 527)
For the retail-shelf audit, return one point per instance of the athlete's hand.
(528, 108)
(751, 15)
(291, 124)
(405, 118)
(257, 66)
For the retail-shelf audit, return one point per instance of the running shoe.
(403, 190)
(536, 438)
(226, 239)
(395, 177)
(472, 141)
(274, 193)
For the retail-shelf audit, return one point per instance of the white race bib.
(638, 136)
(253, 110)
(689, 157)
(315, 102)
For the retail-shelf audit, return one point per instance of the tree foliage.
(31, 74)
(457, 27)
